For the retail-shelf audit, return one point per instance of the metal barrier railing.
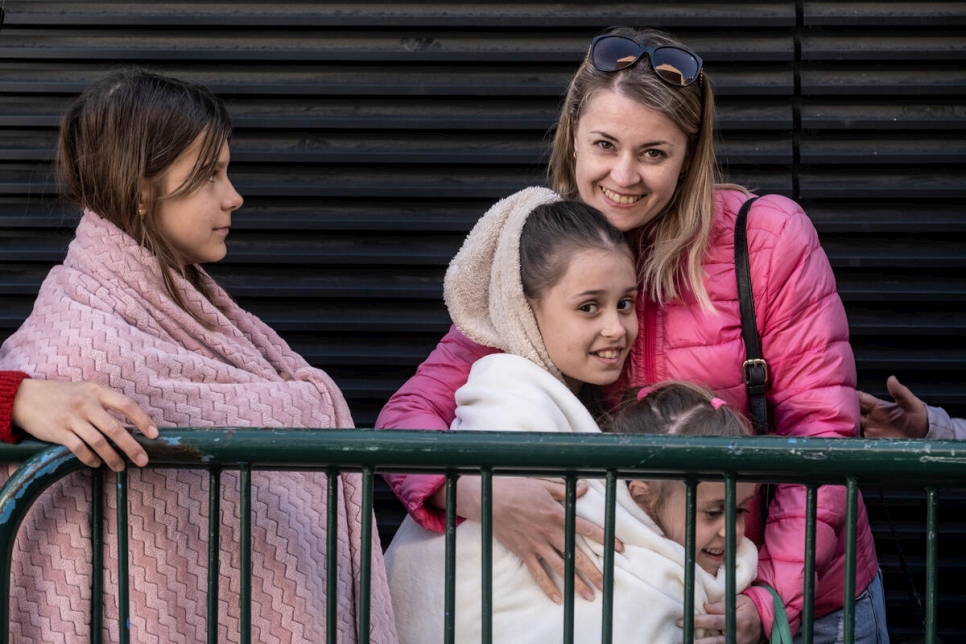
(810, 462)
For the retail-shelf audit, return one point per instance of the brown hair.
(672, 246)
(552, 233)
(120, 137)
(677, 408)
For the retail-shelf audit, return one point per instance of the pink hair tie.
(717, 403)
(643, 392)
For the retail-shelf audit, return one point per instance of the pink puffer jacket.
(804, 334)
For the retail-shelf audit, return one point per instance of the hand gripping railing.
(810, 462)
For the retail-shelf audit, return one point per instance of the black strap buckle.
(748, 365)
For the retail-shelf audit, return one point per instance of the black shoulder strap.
(754, 369)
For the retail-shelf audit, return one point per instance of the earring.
(141, 211)
(575, 153)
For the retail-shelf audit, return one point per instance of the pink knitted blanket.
(104, 316)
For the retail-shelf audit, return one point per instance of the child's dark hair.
(117, 141)
(676, 407)
(679, 408)
(553, 232)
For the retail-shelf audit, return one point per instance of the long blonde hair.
(671, 247)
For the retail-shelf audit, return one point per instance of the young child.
(146, 157)
(685, 409)
(552, 284)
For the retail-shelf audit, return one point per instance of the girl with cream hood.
(551, 284)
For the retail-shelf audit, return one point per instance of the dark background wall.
(370, 136)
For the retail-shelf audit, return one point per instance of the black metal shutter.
(370, 136)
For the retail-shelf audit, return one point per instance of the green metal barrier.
(810, 462)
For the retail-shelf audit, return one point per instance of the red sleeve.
(428, 401)
(9, 384)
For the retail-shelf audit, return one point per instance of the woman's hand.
(529, 520)
(747, 622)
(74, 414)
(905, 418)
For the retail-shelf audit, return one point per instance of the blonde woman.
(635, 140)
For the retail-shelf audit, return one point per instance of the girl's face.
(197, 224)
(588, 319)
(629, 159)
(709, 533)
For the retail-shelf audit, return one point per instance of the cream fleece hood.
(483, 290)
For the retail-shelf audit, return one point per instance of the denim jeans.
(870, 619)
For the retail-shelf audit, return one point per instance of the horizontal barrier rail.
(811, 462)
(817, 460)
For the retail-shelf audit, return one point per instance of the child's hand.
(74, 414)
(529, 520)
(747, 622)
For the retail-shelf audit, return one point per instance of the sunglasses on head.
(674, 65)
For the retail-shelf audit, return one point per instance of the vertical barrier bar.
(9, 533)
(730, 563)
(365, 565)
(17, 494)
(808, 590)
(245, 537)
(331, 555)
(97, 555)
(610, 523)
(932, 561)
(851, 530)
(123, 576)
(570, 543)
(449, 624)
(214, 549)
(691, 499)
(486, 536)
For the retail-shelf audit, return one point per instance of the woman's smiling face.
(628, 159)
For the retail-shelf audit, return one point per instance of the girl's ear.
(147, 195)
(641, 493)
(144, 198)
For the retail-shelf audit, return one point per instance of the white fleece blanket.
(507, 392)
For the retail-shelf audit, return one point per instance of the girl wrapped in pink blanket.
(147, 157)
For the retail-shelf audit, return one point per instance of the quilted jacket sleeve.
(428, 401)
(805, 339)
